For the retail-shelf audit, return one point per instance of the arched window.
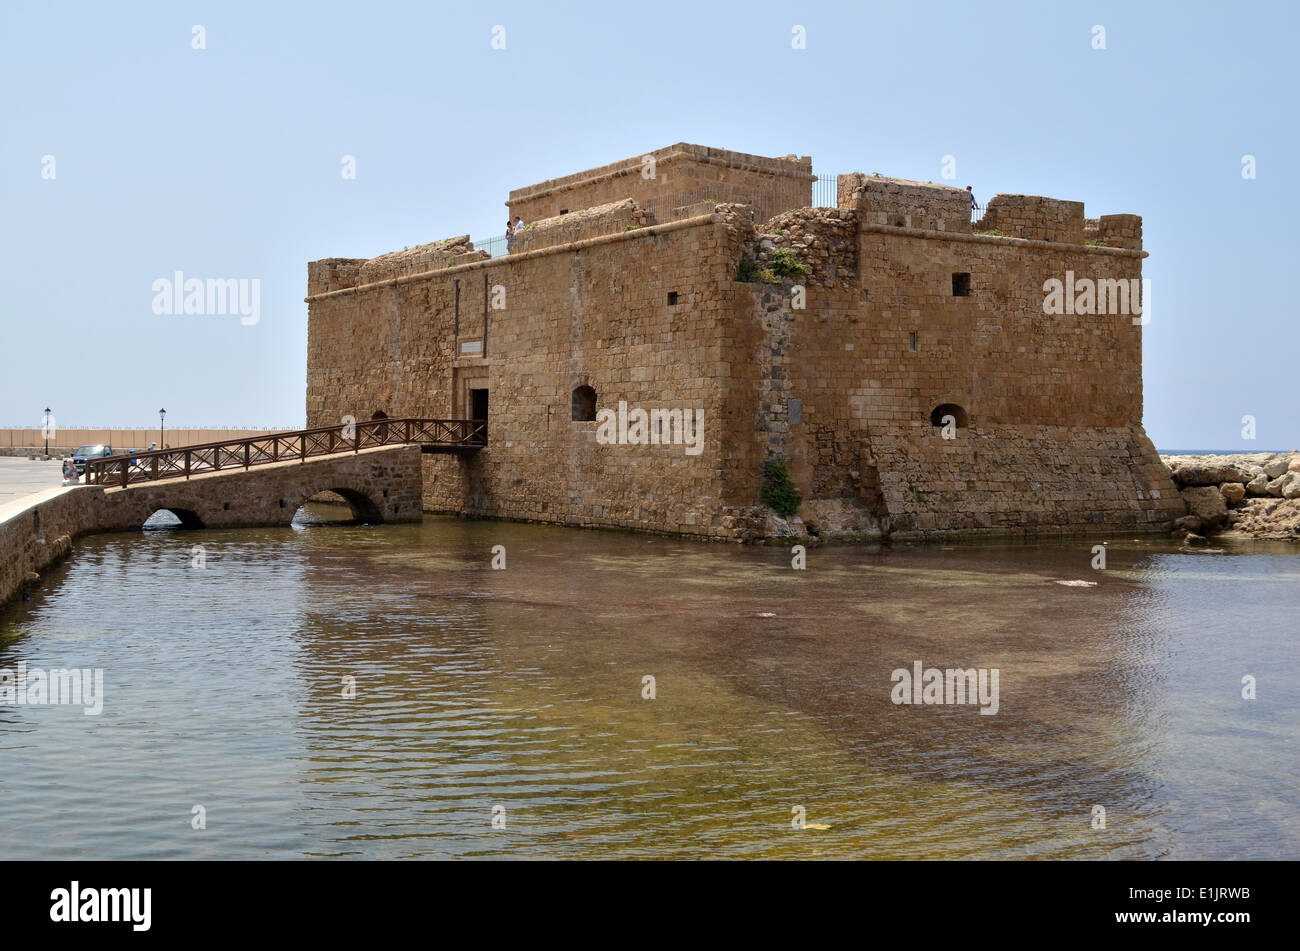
(948, 409)
(583, 407)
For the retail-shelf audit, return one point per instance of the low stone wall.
(612, 218)
(38, 530)
(333, 274)
(426, 257)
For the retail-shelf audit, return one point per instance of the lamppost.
(45, 429)
(162, 416)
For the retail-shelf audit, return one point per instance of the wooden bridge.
(461, 436)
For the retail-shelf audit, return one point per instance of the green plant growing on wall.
(916, 492)
(786, 264)
(993, 232)
(1095, 243)
(747, 273)
(768, 276)
(778, 492)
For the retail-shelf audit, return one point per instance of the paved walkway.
(21, 477)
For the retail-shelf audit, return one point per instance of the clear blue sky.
(225, 162)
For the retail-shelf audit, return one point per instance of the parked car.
(97, 451)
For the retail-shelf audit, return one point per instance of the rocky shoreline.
(1245, 494)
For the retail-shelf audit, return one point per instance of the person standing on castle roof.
(510, 235)
(973, 206)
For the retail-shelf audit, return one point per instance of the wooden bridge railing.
(445, 435)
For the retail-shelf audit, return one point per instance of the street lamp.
(45, 429)
(162, 416)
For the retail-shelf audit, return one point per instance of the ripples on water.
(522, 689)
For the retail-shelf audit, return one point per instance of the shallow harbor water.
(517, 695)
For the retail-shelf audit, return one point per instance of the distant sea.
(1213, 452)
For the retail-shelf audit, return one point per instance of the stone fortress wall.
(895, 307)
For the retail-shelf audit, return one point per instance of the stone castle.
(898, 359)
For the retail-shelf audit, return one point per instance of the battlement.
(1114, 231)
(1035, 218)
(686, 181)
(901, 203)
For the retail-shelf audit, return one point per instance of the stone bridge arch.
(382, 484)
(365, 509)
(189, 519)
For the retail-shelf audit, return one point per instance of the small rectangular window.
(912, 343)
(672, 298)
(961, 284)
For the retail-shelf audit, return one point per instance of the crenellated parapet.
(899, 203)
(1114, 231)
(1034, 217)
